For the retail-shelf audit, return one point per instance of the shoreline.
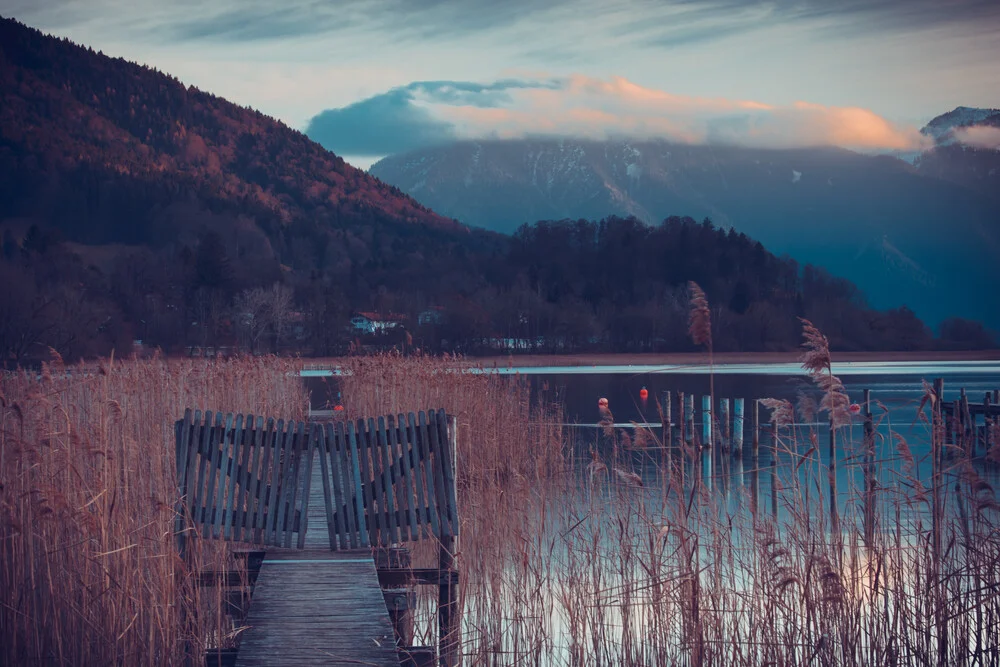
(702, 359)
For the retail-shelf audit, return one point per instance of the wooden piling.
(724, 433)
(756, 432)
(987, 440)
(706, 421)
(448, 613)
(689, 409)
(869, 470)
(738, 427)
(682, 421)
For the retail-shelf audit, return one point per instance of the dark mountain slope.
(905, 239)
(108, 151)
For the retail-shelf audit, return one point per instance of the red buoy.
(643, 394)
(602, 403)
(855, 408)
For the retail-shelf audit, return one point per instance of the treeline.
(569, 286)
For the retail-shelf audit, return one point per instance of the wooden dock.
(316, 606)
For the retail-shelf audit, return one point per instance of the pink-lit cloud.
(594, 108)
(979, 137)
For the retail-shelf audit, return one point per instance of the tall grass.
(564, 563)
(88, 568)
(576, 548)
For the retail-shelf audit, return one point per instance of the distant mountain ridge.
(941, 128)
(903, 237)
(94, 146)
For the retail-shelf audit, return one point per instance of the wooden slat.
(326, 476)
(448, 465)
(183, 435)
(313, 440)
(213, 450)
(299, 447)
(369, 476)
(343, 488)
(224, 438)
(440, 447)
(404, 496)
(387, 460)
(285, 490)
(242, 478)
(274, 484)
(358, 490)
(423, 519)
(426, 470)
(263, 483)
(201, 434)
(252, 483)
(229, 504)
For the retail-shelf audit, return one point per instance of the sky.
(368, 78)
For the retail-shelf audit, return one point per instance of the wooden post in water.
(724, 439)
(682, 425)
(738, 427)
(970, 426)
(689, 409)
(668, 436)
(937, 448)
(706, 421)
(986, 422)
(834, 515)
(869, 470)
(756, 432)
(449, 627)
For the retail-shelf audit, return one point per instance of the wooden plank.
(423, 519)
(218, 507)
(326, 477)
(426, 471)
(404, 498)
(284, 491)
(342, 471)
(299, 448)
(250, 484)
(201, 435)
(214, 450)
(438, 449)
(317, 607)
(369, 476)
(387, 460)
(274, 482)
(449, 430)
(263, 482)
(183, 434)
(313, 440)
(358, 491)
(230, 500)
(242, 464)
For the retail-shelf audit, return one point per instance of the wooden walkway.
(316, 606)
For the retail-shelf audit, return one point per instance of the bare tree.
(260, 312)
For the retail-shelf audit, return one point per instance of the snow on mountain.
(941, 128)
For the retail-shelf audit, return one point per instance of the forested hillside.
(135, 208)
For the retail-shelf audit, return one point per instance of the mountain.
(104, 150)
(904, 238)
(150, 205)
(942, 128)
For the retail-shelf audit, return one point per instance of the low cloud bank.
(426, 113)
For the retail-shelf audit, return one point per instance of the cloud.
(422, 114)
(980, 136)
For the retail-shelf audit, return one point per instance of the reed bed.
(575, 550)
(89, 573)
(599, 549)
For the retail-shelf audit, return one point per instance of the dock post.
(668, 435)
(682, 422)
(937, 448)
(706, 422)
(986, 422)
(449, 631)
(756, 432)
(869, 471)
(689, 407)
(724, 433)
(738, 427)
